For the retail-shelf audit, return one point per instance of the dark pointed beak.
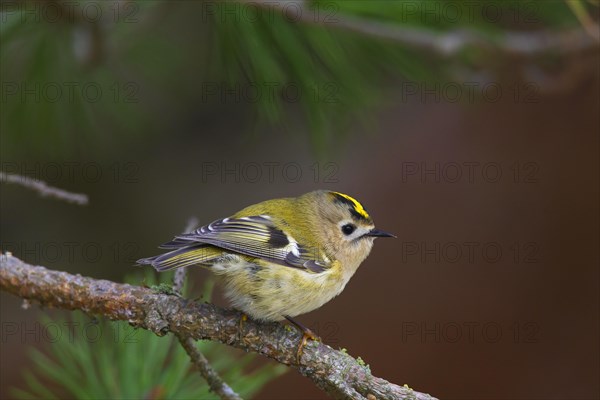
(378, 233)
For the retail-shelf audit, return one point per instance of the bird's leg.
(243, 319)
(306, 334)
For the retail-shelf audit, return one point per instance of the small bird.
(280, 258)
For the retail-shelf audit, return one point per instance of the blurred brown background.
(491, 290)
(523, 327)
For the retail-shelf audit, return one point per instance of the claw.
(243, 319)
(306, 334)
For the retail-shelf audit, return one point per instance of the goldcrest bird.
(280, 258)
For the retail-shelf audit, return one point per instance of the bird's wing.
(184, 256)
(258, 237)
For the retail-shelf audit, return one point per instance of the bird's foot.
(243, 319)
(306, 334)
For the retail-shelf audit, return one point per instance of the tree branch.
(449, 43)
(43, 188)
(334, 371)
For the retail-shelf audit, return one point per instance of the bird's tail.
(183, 257)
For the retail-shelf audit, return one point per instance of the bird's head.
(344, 227)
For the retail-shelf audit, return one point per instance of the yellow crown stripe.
(357, 206)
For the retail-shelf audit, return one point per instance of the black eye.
(348, 229)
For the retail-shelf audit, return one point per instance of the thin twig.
(179, 279)
(336, 372)
(449, 43)
(180, 273)
(43, 189)
(215, 382)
